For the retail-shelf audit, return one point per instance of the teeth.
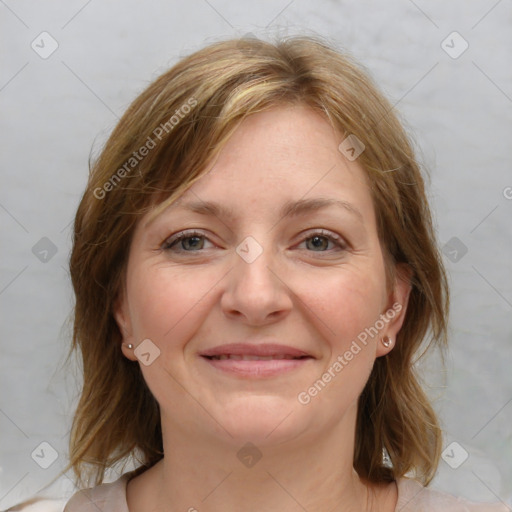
(244, 357)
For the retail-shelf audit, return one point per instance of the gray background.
(458, 110)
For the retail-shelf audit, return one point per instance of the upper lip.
(242, 349)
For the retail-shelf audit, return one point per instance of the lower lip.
(257, 368)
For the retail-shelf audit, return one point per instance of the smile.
(250, 366)
(248, 357)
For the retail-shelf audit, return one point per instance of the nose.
(256, 291)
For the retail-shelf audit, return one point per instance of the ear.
(122, 317)
(396, 308)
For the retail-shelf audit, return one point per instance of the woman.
(255, 269)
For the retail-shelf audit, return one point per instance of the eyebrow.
(289, 209)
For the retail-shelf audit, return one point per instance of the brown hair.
(188, 113)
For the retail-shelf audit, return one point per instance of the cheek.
(348, 304)
(344, 303)
(169, 307)
(166, 306)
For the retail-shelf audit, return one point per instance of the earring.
(387, 341)
(128, 345)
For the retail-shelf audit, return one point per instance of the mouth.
(255, 361)
(249, 357)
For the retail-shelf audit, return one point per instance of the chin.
(263, 420)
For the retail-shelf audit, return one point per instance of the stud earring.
(128, 345)
(387, 341)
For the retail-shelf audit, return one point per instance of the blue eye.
(319, 242)
(321, 239)
(194, 241)
(190, 241)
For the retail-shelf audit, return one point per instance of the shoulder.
(39, 505)
(413, 497)
(108, 497)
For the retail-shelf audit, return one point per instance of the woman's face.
(261, 323)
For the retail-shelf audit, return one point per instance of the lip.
(251, 349)
(284, 359)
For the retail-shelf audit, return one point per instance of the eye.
(186, 241)
(320, 240)
(194, 241)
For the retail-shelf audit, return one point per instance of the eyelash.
(172, 241)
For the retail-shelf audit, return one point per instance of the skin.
(311, 294)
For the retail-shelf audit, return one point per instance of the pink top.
(412, 497)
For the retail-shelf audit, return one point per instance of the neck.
(206, 475)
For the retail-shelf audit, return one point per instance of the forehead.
(273, 160)
(288, 139)
(284, 153)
